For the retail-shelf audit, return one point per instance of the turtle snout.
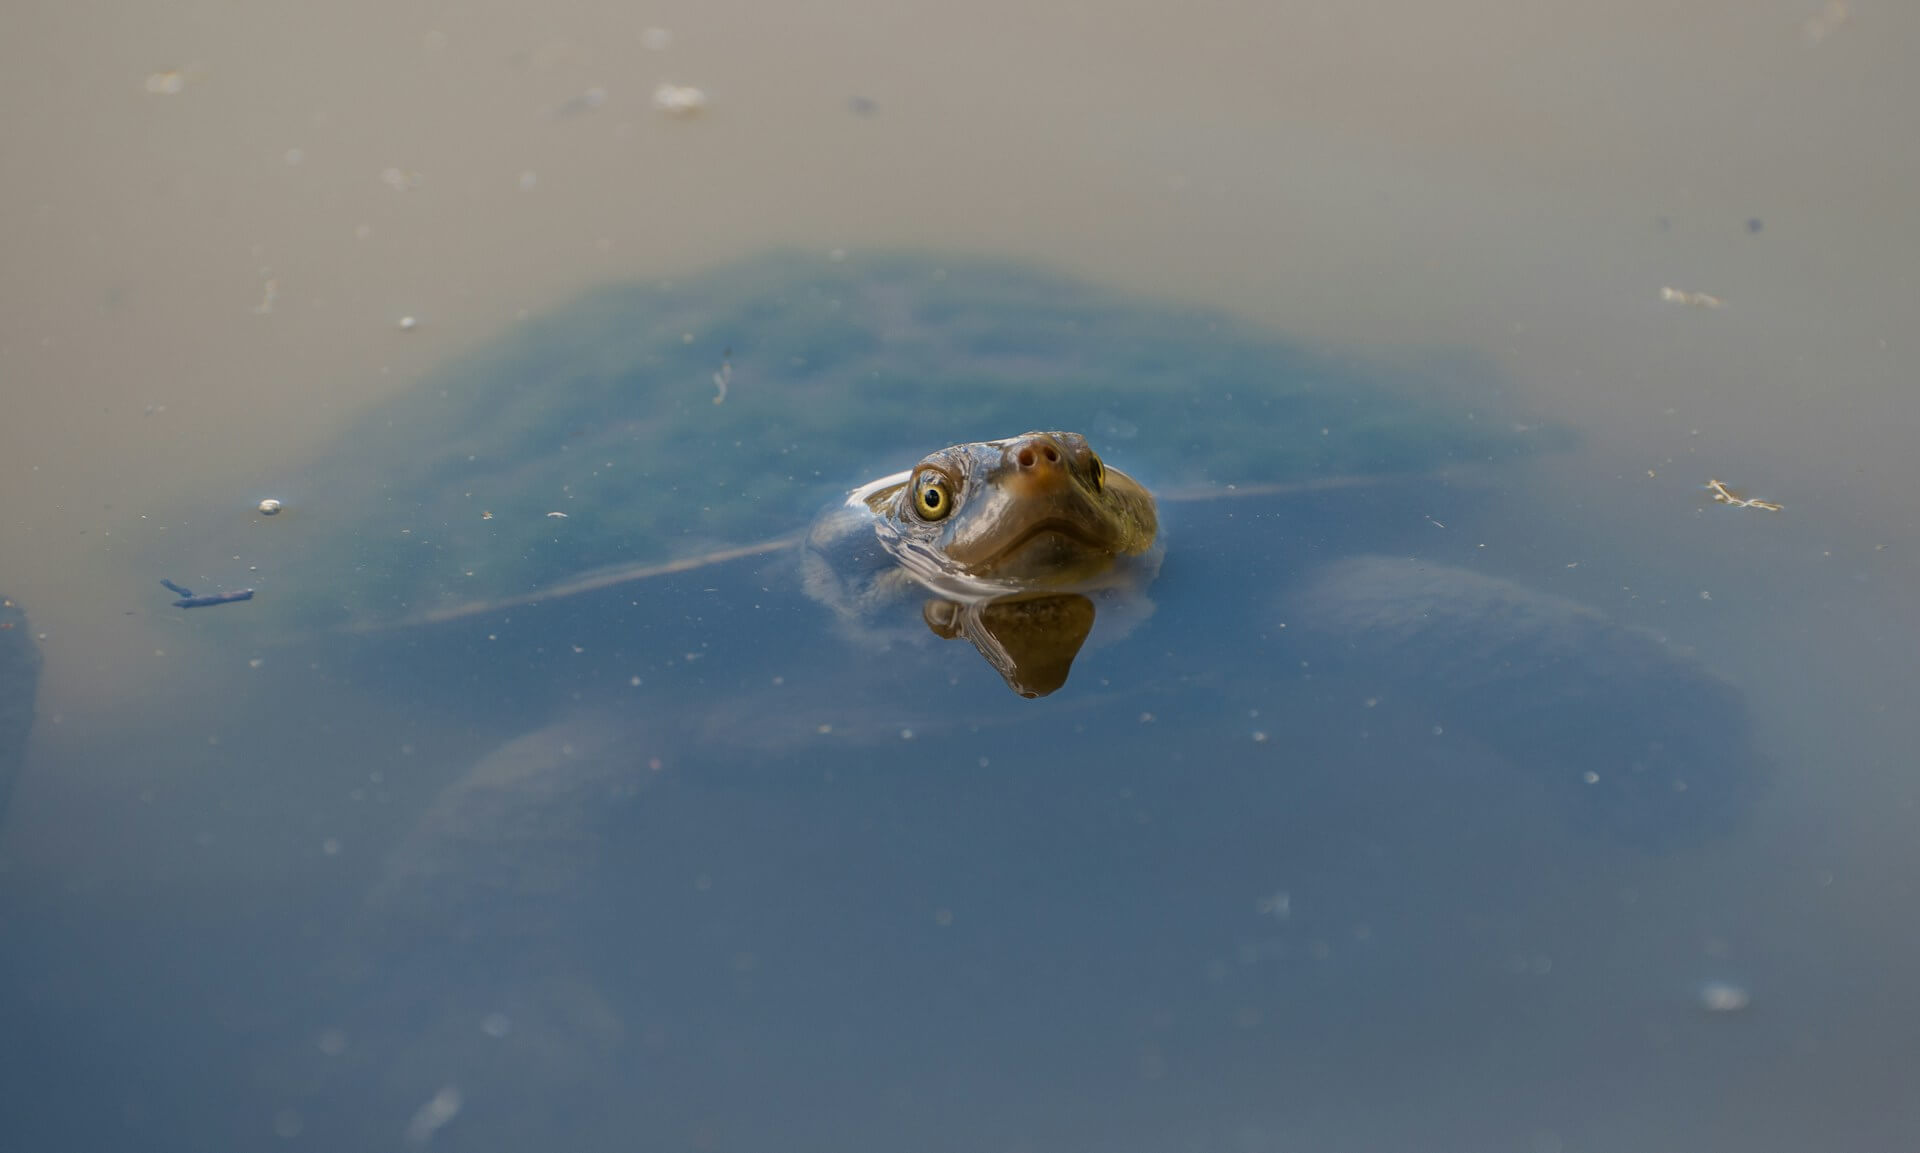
(1037, 453)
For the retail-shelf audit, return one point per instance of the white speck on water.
(409, 323)
(1724, 997)
(270, 507)
(679, 100)
(1691, 299)
(431, 1117)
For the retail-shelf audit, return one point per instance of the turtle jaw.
(1054, 546)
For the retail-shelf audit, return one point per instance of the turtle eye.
(932, 495)
(1099, 473)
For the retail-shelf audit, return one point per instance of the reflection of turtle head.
(1039, 509)
(1032, 641)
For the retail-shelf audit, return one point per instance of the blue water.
(1252, 880)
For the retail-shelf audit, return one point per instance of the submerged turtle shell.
(672, 417)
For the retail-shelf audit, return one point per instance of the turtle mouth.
(1045, 544)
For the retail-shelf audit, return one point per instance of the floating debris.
(205, 599)
(270, 507)
(189, 601)
(434, 1115)
(724, 377)
(679, 100)
(170, 83)
(1724, 997)
(409, 323)
(1691, 299)
(556, 516)
(1724, 495)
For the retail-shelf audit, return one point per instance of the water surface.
(252, 893)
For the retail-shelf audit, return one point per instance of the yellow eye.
(932, 495)
(1099, 472)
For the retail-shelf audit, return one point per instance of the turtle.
(599, 439)
(692, 553)
(657, 430)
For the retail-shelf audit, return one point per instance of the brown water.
(217, 216)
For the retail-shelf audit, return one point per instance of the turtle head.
(1041, 507)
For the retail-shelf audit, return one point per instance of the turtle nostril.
(1052, 456)
(1025, 458)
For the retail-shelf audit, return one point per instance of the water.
(467, 887)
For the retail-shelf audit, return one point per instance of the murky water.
(1256, 878)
